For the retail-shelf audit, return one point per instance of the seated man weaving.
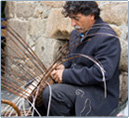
(83, 88)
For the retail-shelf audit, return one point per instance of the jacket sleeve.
(67, 64)
(108, 54)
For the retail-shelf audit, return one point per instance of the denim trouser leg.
(63, 99)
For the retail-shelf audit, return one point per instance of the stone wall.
(45, 29)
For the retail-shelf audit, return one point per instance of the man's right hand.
(57, 73)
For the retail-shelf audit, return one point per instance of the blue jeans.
(63, 99)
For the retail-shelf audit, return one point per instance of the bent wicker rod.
(12, 105)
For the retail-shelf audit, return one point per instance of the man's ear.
(92, 17)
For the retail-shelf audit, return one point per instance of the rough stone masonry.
(42, 26)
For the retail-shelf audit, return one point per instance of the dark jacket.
(102, 44)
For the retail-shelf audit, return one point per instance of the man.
(81, 89)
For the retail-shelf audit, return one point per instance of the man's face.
(81, 22)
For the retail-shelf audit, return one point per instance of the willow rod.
(19, 62)
(11, 104)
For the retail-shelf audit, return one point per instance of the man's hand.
(57, 73)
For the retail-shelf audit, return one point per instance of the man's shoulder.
(106, 28)
(103, 32)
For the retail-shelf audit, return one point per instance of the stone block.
(115, 13)
(20, 28)
(47, 48)
(53, 4)
(24, 9)
(39, 12)
(124, 32)
(123, 86)
(124, 56)
(10, 9)
(116, 29)
(36, 28)
(42, 11)
(57, 25)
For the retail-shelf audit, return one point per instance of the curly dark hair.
(83, 7)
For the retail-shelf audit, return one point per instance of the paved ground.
(5, 94)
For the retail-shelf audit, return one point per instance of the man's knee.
(56, 93)
(46, 92)
(60, 101)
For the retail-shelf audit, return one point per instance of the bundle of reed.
(23, 73)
